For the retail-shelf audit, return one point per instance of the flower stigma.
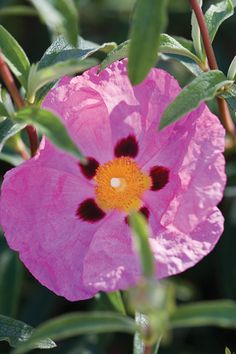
(120, 185)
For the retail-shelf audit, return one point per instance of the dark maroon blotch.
(159, 176)
(127, 147)
(89, 169)
(144, 210)
(89, 211)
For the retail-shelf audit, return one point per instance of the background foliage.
(22, 297)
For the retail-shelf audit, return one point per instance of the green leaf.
(202, 88)
(60, 50)
(217, 14)
(168, 44)
(75, 324)
(196, 35)
(231, 75)
(221, 313)
(230, 97)
(51, 126)
(8, 128)
(117, 301)
(171, 45)
(120, 52)
(190, 65)
(16, 332)
(148, 23)
(13, 159)
(3, 111)
(11, 272)
(141, 234)
(69, 13)
(18, 10)
(227, 351)
(15, 56)
(63, 17)
(39, 78)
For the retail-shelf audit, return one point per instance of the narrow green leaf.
(39, 78)
(60, 50)
(221, 313)
(217, 14)
(148, 23)
(70, 17)
(189, 64)
(231, 75)
(168, 44)
(16, 332)
(117, 301)
(196, 35)
(8, 128)
(141, 233)
(227, 351)
(63, 17)
(3, 111)
(202, 88)
(11, 273)
(120, 52)
(51, 126)
(13, 159)
(75, 324)
(14, 56)
(18, 10)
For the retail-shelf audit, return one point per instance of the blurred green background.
(213, 278)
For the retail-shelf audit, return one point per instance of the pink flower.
(69, 222)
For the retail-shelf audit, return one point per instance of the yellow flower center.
(120, 185)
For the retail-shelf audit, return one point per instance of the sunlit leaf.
(149, 22)
(202, 88)
(8, 128)
(18, 10)
(217, 14)
(60, 50)
(75, 324)
(16, 332)
(14, 55)
(39, 78)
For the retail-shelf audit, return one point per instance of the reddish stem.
(222, 105)
(147, 350)
(11, 86)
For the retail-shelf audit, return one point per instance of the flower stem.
(222, 105)
(147, 350)
(11, 86)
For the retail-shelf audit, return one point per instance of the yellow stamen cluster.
(120, 185)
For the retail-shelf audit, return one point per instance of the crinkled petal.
(85, 115)
(193, 154)
(111, 263)
(38, 215)
(176, 251)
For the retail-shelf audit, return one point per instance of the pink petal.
(176, 251)
(38, 216)
(193, 153)
(111, 263)
(85, 114)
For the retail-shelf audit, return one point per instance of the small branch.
(222, 105)
(11, 86)
(147, 350)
